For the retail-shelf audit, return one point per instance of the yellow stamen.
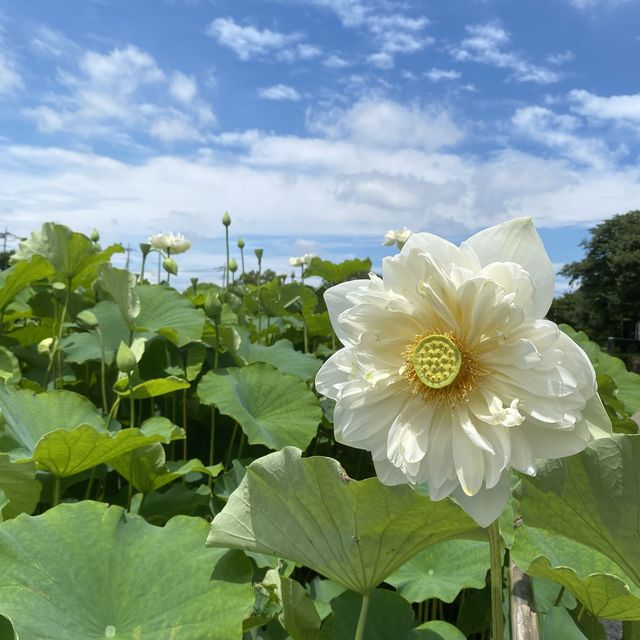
(442, 368)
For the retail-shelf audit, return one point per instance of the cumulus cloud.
(560, 132)
(435, 75)
(249, 42)
(389, 124)
(279, 92)
(488, 44)
(109, 94)
(623, 108)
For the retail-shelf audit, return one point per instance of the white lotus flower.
(169, 242)
(302, 261)
(295, 262)
(450, 376)
(397, 237)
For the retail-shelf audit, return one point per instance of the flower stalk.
(362, 619)
(497, 555)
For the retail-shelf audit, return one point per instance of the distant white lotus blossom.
(302, 261)
(397, 237)
(169, 242)
(449, 374)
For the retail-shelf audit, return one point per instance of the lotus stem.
(362, 620)
(495, 544)
(57, 487)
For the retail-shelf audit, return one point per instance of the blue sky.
(318, 124)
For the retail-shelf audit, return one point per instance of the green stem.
(132, 404)
(87, 493)
(560, 594)
(168, 274)
(362, 620)
(144, 260)
(113, 412)
(226, 270)
(57, 487)
(495, 544)
(242, 259)
(103, 372)
(184, 422)
(231, 443)
(212, 442)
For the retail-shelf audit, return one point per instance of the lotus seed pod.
(145, 247)
(241, 244)
(88, 319)
(233, 265)
(44, 346)
(194, 283)
(226, 219)
(170, 266)
(213, 306)
(259, 253)
(125, 359)
(95, 236)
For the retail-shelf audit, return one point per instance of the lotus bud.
(259, 253)
(95, 236)
(170, 266)
(194, 284)
(125, 359)
(88, 319)
(226, 219)
(233, 265)
(241, 244)
(145, 247)
(44, 346)
(213, 306)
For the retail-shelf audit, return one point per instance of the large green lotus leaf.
(165, 312)
(443, 570)
(21, 275)
(66, 453)
(119, 284)
(150, 388)
(20, 487)
(336, 273)
(90, 571)
(273, 408)
(147, 468)
(592, 577)
(628, 383)
(356, 533)
(591, 499)
(436, 630)
(280, 354)
(74, 257)
(27, 417)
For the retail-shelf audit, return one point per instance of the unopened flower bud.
(145, 247)
(213, 306)
(170, 266)
(88, 319)
(125, 359)
(233, 265)
(241, 244)
(95, 236)
(44, 346)
(226, 219)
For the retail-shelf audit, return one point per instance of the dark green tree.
(607, 300)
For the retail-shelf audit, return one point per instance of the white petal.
(522, 457)
(486, 506)
(409, 434)
(338, 300)
(389, 474)
(468, 461)
(518, 241)
(595, 414)
(556, 443)
(334, 373)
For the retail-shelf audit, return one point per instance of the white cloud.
(559, 132)
(351, 12)
(51, 43)
(389, 124)
(183, 88)
(279, 92)
(335, 62)
(248, 42)
(594, 4)
(560, 58)
(436, 75)
(382, 60)
(486, 44)
(120, 92)
(10, 79)
(623, 108)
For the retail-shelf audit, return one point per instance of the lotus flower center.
(436, 361)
